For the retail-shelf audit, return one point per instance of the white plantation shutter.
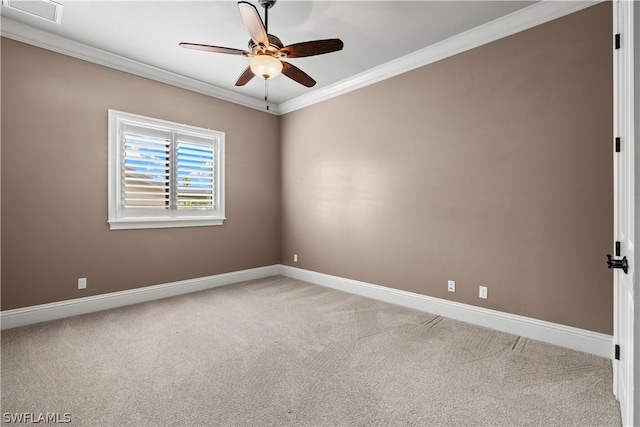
(147, 169)
(195, 175)
(164, 174)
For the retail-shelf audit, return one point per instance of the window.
(163, 174)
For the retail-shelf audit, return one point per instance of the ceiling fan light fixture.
(265, 66)
(266, 50)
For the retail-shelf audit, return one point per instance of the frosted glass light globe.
(265, 66)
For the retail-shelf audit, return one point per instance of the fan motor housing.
(274, 44)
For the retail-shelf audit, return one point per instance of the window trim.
(121, 218)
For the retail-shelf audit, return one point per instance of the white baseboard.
(553, 333)
(58, 310)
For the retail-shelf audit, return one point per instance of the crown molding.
(18, 31)
(536, 14)
(529, 17)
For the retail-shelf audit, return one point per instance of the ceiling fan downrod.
(267, 4)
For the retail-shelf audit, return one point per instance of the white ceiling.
(373, 32)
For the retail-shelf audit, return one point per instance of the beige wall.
(492, 167)
(54, 183)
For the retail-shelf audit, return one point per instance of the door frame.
(624, 112)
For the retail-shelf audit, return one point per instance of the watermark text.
(35, 418)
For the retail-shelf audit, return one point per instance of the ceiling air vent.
(44, 9)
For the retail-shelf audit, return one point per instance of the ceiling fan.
(267, 51)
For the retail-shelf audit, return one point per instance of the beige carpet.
(278, 351)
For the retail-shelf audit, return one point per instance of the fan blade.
(311, 48)
(253, 22)
(245, 77)
(295, 73)
(216, 49)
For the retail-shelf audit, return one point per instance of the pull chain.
(266, 93)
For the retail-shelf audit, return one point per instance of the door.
(624, 204)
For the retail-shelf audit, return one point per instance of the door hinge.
(617, 248)
(617, 41)
(617, 352)
(617, 144)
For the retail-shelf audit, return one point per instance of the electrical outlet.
(483, 292)
(295, 257)
(82, 283)
(451, 285)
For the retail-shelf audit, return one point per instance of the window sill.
(140, 223)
